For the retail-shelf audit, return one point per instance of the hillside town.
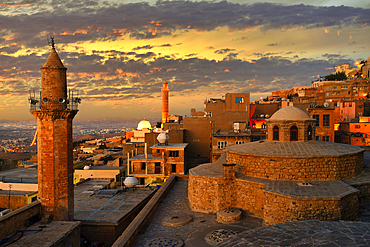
(234, 163)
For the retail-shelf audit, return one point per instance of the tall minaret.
(164, 103)
(54, 116)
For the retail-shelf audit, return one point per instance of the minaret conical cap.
(53, 60)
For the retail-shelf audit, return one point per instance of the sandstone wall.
(282, 209)
(298, 168)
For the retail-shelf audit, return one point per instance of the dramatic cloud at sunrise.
(118, 54)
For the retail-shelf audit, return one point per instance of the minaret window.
(275, 131)
(294, 133)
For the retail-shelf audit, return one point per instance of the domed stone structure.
(144, 124)
(287, 177)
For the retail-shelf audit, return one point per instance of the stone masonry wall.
(282, 209)
(16, 220)
(249, 197)
(210, 195)
(298, 168)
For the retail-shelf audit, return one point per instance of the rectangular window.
(334, 87)
(239, 100)
(158, 151)
(326, 120)
(157, 166)
(221, 144)
(317, 117)
(142, 181)
(317, 138)
(325, 138)
(143, 165)
(239, 142)
(344, 87)
(357, 126)
(173, 168)
(173, 154)
(350, 104)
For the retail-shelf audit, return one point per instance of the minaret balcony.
(37, 103)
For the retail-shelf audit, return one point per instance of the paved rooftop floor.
(104, 208)
(176, 202)
(294, 149)
(305, 233)
(49, 234)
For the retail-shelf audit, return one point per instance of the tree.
(337, 76)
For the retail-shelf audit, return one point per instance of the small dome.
(144, 124)
(290, 113)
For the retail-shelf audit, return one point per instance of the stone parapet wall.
(298, 168)
(203, 193)
(281, 209)
(18, 219)
(210, 195)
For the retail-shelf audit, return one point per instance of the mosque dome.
(144, 124)
(290, 113)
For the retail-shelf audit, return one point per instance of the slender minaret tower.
(54, 115)
(164, 103)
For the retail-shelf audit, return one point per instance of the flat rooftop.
(104, 168)
(91, 207)
(176, 202)
(19, 174)
(295, 149)
(170, 145)
(43, 235)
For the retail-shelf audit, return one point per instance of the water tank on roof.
(130, 182)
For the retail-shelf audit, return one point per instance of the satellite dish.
(45, 100)
(262, 115)
(267, 115)
(326, 104)
(62, 100)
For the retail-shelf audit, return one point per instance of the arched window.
(275, 132)
(293, 133)
(309, 133)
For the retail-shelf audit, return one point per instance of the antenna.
(51, 41)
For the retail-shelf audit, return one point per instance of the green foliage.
(338, 76)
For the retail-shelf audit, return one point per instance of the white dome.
(290, 113)
(144, 124)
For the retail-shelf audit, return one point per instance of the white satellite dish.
(326, 104)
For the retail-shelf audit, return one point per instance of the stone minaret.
(54, 115)
(164, 102)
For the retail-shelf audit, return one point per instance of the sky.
(118, 53)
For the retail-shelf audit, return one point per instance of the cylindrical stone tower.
(54, 141)
(165, 102)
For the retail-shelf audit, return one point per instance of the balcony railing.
(38, 104)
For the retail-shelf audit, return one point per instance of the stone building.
(164, 161)
(219, 116)
(288, 177)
